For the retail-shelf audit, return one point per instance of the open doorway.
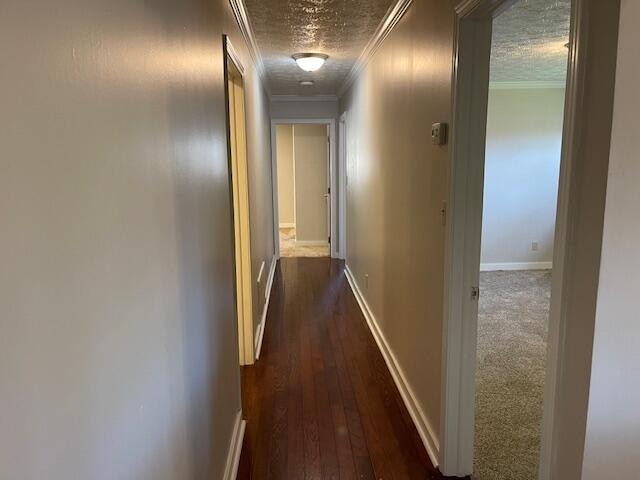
(304, 202)
(239, 185)
(524, 124)
(573, 278)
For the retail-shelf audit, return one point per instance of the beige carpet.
(512, 333)
(288, 247)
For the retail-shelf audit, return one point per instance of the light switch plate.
(439, 133)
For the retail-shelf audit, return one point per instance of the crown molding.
(304, 98)
(242, 19)
(393, 16)
(525, 85)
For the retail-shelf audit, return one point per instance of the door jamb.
(334, 172)
(582, 189)
(244, 325)
(342, 178)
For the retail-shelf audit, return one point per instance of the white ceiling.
(338, 28)
(528, 42)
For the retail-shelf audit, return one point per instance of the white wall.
(524, 134)
(286, 179)
(613, 424)
(118, 346)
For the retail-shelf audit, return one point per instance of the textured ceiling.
(528, 42)
(338, 28)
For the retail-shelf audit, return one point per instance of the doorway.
(303, 197)
(576, 238)
(239, 185)
(524, 124)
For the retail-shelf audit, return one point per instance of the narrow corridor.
(320, 402)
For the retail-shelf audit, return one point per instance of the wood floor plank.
(320, 403)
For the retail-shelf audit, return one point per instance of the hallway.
(320, 402)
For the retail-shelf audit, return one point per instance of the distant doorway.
(304, 201)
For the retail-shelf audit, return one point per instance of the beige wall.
(118, 350)
(397, 181)
(613, 425)
(286, 181)
(311, 181)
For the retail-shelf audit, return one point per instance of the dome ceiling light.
(310, 62)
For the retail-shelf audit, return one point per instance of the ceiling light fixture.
(310, 62)
(306, 83)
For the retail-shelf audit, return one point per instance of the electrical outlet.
(439, 133)
(534, 246)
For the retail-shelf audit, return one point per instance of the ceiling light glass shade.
(310, 62)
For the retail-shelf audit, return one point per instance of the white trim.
(242, 19)
(342, 193)
(311, 243)
(525, 85)
(263, 319)
(260, 272)
(391, 18)
(494, 267)
(288, 225)
(425, 430)
(233, 54)
(333, 173)
(304, 98)
(470, 84)
(235, 448)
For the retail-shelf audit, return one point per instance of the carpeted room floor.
(512, 333)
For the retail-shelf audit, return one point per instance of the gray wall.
(303, 108)
(393, 171)
(613, 425)
(118, 344)
(522, 167)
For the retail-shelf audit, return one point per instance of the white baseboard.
(235, 448)
(426, 432)
(492, 267)
(263, 320)
(312, 243)
(288, 225)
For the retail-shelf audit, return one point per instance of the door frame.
(578, 233)
(239, 202)
(343, 132)
(336, 223)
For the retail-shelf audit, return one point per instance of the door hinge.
(329, 239)
(475, 293)
(329, 190)
(443, 213)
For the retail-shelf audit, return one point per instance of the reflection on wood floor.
(320, 402)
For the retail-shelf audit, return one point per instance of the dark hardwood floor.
(320, 402)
